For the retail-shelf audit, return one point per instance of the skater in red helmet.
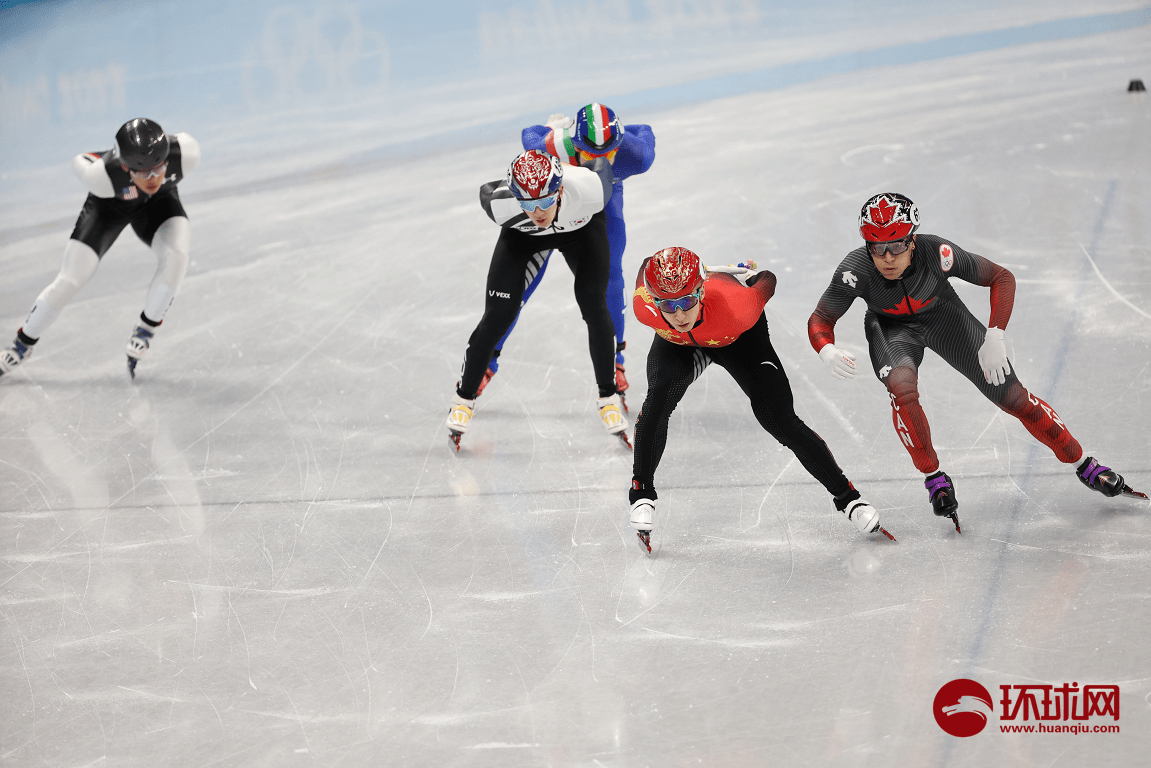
(700, 318)
(902, 276)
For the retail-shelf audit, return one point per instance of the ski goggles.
(591, 156)
(895, 246)
(669, 306)
(543, 203)
(150, 173)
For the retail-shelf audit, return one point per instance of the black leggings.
(588, 256)
(752, 362)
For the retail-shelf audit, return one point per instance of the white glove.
(840, 363)
(559, 121)
(993, 357)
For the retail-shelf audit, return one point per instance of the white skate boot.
(860, 512)
(11, 357)
(459, 415)
(138, 345)
(643, 520)
(611, 413)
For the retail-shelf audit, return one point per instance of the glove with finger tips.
(840, 363)
(993, 357)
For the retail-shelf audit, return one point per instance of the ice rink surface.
(263, 552)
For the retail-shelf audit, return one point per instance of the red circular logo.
(962, 707)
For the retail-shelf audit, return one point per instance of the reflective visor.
(543, 203)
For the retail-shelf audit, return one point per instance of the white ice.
(263, 552)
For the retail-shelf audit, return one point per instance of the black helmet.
(141, 144)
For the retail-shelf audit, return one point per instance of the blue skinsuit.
(635, 155)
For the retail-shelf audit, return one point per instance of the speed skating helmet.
(597, 130)
(671, 273)
(534, 174)
(888, 216)
(141, 144)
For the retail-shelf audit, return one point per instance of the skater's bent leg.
(171, 244)
(670, 371)
(589, 258)
(504, 290)
(617, 287)
(753, 363)
(909, 420)
(1041, 421)
(534, 272)
(80, 263)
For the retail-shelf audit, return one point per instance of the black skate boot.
(943, 502)
(1104, 479)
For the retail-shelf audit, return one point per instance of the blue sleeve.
(636, 153)
(533, 137)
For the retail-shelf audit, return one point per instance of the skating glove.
(993, 357)
(840, 363)
(559, 121)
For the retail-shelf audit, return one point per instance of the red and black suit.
(921, 311)
(731, 331)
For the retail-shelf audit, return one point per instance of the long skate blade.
(132, 366)
(623, 436)
(454, 439)
(644, 541)
(623, 402)
(885, 532)
(1132, 493)
(955, 519)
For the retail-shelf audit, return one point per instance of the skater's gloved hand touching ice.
(840, 363)
(993, 357)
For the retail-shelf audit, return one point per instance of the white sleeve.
(89, 168)
(189, 152)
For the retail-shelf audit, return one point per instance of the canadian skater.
(630, 149)
(903, 277)
(134, 182)
(540, 206)
(703, 317)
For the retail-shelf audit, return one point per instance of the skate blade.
(885, 532)
(644, 541)
(955, 519)
(623, 402)
(1130, 492)
(132, 366)
(454, 439)
(623, 436)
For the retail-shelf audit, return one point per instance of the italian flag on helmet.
(597, 130)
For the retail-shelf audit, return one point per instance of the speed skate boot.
(942, 492)
(11, 357)
(643, 520)
(458, 417)
(860, 512)
(611, 413)
(138, 345)
(1104, 479)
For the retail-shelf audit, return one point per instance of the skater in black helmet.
(133, 183)
(911, 306)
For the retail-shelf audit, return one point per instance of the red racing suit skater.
(921, 310)
(731, 331)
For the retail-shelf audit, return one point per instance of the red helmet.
(672, 272)
(534, 174)
(888, 216)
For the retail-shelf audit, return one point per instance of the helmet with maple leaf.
(888, 216)
(672, 272)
